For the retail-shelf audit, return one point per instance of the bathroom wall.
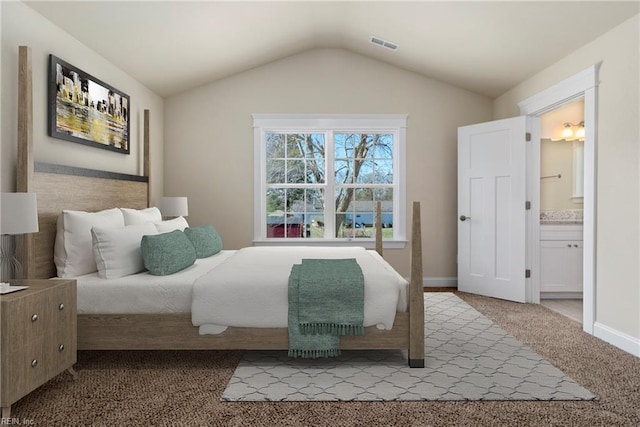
(557, 158)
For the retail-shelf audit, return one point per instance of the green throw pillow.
(167, 253)
(205, 239)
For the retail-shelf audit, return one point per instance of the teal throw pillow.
(167, 253)
(205, 239)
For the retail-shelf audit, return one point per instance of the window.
(318, 178)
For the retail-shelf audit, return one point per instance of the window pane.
(295, 200)
(363, 171)
(382, 146)
(295, 171)
(314, 146)
(387, 225)
(363, 195)
(315, 226)
(315, 172)
(343, 171)
(343, 145)
(314, 218)
(343, 200)
(275, 217)
(275, 145)
(295, 145)
(386, 196)
(275, 171)
(315, 200)
(352, 226)
(383, 172)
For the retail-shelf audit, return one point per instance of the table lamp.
(18, 215)
(172, 207)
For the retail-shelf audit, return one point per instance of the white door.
(492, 192)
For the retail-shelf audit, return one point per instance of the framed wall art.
(86, 110)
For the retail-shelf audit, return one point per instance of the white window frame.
(329, 124)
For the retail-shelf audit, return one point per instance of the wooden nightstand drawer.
(61, 343)
(27, 369)
(24, 320)
(39, 338)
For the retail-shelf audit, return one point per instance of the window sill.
(367, 244)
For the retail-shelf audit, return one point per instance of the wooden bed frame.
(62, 187)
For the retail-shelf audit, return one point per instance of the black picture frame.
(86, 110)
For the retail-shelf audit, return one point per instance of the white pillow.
(73, 249)
(140, 216)
(117, 249)
(172, 224)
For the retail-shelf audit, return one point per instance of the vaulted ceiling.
(485, 47)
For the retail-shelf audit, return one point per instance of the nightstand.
(38, 339)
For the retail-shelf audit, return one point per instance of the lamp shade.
(174, 206)
(18, 213)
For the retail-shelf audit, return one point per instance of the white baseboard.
(440, 282)
(619, 339)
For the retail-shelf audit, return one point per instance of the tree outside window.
(325, 183)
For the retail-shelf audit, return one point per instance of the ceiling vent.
(384, 43)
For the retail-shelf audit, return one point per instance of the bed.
(61, 188)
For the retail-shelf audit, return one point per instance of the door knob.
(464, 218)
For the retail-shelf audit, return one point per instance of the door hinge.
(527, 274)
(527, 205)
(527, 136)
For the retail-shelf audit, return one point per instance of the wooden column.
(379, 227)
(24, 176)
(416, 295)
(146, 167)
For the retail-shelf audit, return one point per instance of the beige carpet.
(183, 388)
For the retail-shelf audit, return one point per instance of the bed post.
(416, 295)
(24, 176)
(146, 166)
(379, 227)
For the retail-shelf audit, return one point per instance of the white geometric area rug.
(468, 357)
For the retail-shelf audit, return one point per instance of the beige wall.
(209, 139)
(618, 180)
(22, 26)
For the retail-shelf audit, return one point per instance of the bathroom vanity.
(561, 255)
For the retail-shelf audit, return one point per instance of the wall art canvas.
(86, 110)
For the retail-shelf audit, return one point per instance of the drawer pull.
(61, 307)
(34, 363)
(61, 347)
(34, 317)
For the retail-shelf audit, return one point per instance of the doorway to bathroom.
(562, 208)
(582, 85)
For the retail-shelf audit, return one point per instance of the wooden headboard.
(60, 187)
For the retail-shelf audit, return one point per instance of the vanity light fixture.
(567, 131)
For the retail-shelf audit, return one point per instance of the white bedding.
(250, 288)
(143, 292)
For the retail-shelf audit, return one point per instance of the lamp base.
(10, 267)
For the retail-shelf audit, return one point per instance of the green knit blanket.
(326, 300)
